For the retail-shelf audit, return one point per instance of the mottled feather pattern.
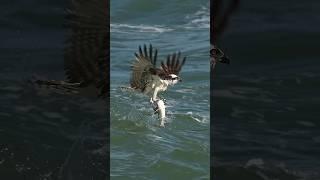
(145, 66)
(87, 49)
(145, 61)
(86, 53)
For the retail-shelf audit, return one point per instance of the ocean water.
(44, 135)
(265, 109)
(140, 149)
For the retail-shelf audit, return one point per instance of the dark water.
(265, 112)
(140, 149)
(266, 103)
(44, 136)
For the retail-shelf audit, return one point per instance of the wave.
(127, 28)
(200, 118)
(200, 19)
(257, 169)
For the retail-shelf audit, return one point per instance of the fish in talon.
(150, 80)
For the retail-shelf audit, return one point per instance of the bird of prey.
(86, 53)
(218, 23)
(148, 78)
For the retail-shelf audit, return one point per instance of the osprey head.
(173, 79)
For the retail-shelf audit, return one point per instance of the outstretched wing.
(143, 67)
(87, 52)
(220, 19)
(173, 65)
(218, 25)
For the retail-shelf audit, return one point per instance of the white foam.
(127, 28)
(200, 19)
(199, 118)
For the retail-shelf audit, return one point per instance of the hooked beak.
(180, 79)
(225, 60)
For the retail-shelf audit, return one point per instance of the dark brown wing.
(218, 23)
(173, 65)
(220, 19)
(87, 52)
(143, 67)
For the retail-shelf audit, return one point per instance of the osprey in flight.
(218, 24)
(87, 50)
(149, 79)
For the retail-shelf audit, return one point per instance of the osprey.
(217, 55)
(86, 52)
(149, 79)
(217, 27)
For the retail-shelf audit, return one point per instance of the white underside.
(154, 86)
(152, 89)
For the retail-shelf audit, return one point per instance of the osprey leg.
(155, 93)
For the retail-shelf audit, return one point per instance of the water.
(265, 103)
(140, 149)
(44, 136)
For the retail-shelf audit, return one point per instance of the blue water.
(140, 149)
(265, 104)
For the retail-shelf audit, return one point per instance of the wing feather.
(143, 67)
(86, 52)
(173, 65)
(155, 58)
